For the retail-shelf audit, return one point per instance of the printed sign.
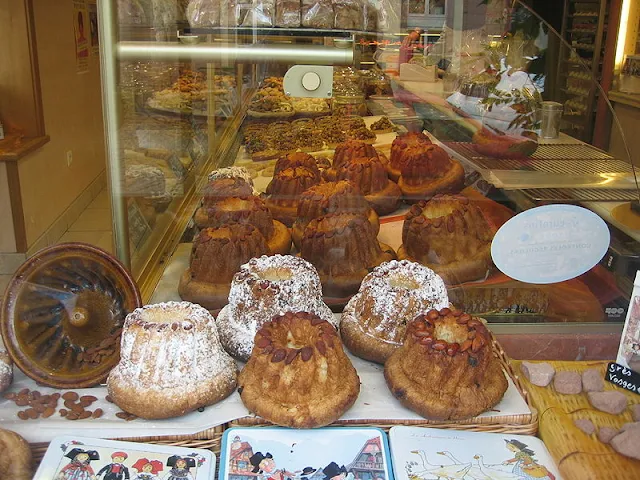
(623, 377)
(629, 350)
(80, 33)
(550, 244)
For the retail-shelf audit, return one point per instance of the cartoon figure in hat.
(116, 469)
(147, 469)
(180, 468)
(265, 466)
(334, 472)
(525, 466)
(79, 467)
(306, 473)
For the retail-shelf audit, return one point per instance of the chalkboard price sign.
(623, 377)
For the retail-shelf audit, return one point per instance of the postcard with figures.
(429, 453)
(321, 454)
(78, 458)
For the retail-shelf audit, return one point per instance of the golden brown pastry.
(283, 192)
(449, 235)
(427, 171)
(343, 247)
(369, 175)
(399, 146)
(216, 255)
(298, 374)
(171, 362)
(15, 461)
(246, 210)
(331, 197)
(446, 369)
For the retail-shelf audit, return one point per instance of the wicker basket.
(523, 424)
(578, 455)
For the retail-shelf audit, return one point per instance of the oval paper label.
(550, 244)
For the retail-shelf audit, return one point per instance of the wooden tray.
(578, 455)
(523, 424)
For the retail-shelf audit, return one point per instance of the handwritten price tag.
(623, 377)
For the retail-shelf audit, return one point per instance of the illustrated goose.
(474, 472)
(446, 472)
(493, 472)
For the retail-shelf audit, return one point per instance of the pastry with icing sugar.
(171, 362)
(298, 374)
(263, 288)
(374, 322)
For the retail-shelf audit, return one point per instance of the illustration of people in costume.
(180, 468)
(334, 472)
(265, 467)
(116, 469)
(79, 467)
(524, 464)
(147, 469)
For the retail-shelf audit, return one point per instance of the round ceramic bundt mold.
(63, 313)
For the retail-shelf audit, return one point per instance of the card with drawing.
(430, 453)
(321, 454)
(78, 458)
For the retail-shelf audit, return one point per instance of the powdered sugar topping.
(232, 172)
(172, 345)
(263, 288)
(393, 294)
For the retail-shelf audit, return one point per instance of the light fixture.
(622, 34)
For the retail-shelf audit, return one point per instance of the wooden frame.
(22, 101)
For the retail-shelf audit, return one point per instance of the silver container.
(550, 121)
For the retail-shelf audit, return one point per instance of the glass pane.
(509, 109)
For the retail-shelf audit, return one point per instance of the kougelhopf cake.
(297, 159)
(220, 188)
(449, 235)
(246, 210)
(369, 175)
(263, 288)
(171, 362)
(374, 322)
(216, 256)
(231, 172)
(428, 170)
(298, 374)
(143, 181)
(331, 197)
(352, 149)
(343, 247)
(399, 146)
(446, 370)
(283, 192)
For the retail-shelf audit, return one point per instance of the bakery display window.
(252, 134)
(308, 235)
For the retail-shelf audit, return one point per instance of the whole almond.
(9, 395)
(108, 399)
(48, 412)
(63, 412)
(85, 414)
(97, 413)
(32, 413)
(22, 400)
(122, 415)
(22, 415)
(73, 396)
(72, 416)
(24, 391)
